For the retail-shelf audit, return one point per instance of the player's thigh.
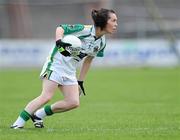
(70, 92)
(48, 87)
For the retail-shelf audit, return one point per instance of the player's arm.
(59, 44)
(59, 33)
(83, 72)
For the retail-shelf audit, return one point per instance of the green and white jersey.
(91, 46)
(86, 33)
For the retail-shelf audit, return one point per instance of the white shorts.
(61, 80)
(60, 69)
(58, 75)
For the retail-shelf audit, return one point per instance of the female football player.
(59, 71)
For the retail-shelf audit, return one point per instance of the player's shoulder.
(72, 28)
(87, 29)
(84, 26)
(88, 26)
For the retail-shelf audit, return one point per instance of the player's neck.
(99, 32)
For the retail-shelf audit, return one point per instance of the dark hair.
(100, 17)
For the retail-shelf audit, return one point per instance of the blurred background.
(148, 33)
(133, 92)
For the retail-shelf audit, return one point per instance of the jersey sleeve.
(69, 29)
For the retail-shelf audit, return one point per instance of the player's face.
(111, 23)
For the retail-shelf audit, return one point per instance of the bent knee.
(45, 99)
(73, 104)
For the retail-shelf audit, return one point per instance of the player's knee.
(73, 104)
(45, 99)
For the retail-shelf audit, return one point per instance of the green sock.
(48, 110)
(25, 115)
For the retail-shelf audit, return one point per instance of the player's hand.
(81, 88)
(62, 47)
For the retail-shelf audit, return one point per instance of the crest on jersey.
(96, 48)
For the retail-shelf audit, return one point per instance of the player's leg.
(48, 89)
(70, 101)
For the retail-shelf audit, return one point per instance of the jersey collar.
(93, 32)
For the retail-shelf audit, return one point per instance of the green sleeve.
(69, 29)
(101, 52)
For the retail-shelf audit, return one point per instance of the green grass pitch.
(137, 104)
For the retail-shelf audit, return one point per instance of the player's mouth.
(114, 29)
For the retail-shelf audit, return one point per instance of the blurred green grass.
(126, 104)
